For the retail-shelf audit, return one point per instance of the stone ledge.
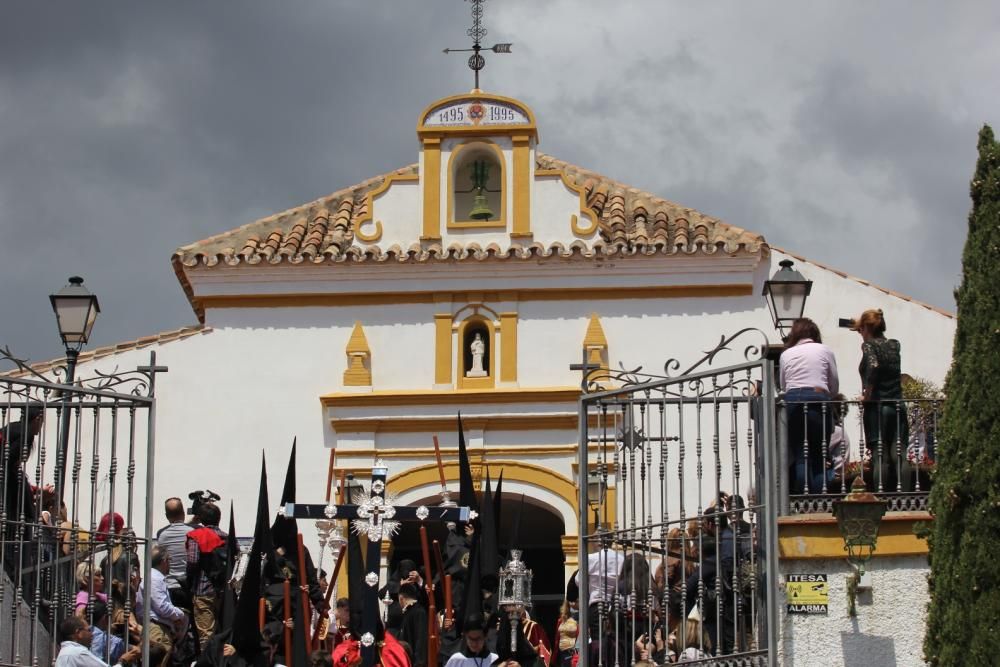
(817, 536)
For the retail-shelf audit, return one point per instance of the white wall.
(888, 630)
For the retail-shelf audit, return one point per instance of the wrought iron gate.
(680, 525)
(69, 511)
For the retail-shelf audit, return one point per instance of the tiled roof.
(630, 222)
(117, 348)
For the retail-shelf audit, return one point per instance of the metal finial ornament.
(477, 32)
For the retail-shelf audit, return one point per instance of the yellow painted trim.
(452, 396)
(582, 194)
(475, 383)
(370, 208)
(358, 342)
(442, 349)
(817, 536)
(358, 373)
(508, 347)
(431, 178)
(571, 553)
(501, 222)
(299, 300)
(435, 130)
(567, 422)
(515, 471)
(522, 186)
(428, 452)
(595, 333)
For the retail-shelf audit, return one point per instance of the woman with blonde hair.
(90, 580)
(884, 413)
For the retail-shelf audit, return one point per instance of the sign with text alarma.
(807, 593)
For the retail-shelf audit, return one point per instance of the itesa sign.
(807, 593)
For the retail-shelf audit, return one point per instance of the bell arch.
(477, 186)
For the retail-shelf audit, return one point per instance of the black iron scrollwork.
(751, 352)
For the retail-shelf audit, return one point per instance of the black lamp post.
(786, 294)
(597, 491)
(76, 311)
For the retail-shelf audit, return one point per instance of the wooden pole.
(329, 474)
(288, 617)
(440, 465)
(432, 648)
(449, 610)
(304, 591)
(329, 593)
(262, 613)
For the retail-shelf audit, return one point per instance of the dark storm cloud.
(128, 129)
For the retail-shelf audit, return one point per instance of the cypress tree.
(963, 626)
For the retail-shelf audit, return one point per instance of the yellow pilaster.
(596, 345)
(431, 178)
(570, 546)
(508, 347)
(522, 186)
(442, 348)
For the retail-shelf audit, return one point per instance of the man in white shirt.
(166, 621)
(473, 651)
(74, 651)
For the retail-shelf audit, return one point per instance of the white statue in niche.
(478, 349)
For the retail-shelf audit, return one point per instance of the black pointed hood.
(466, 486)
(284, 529)
(246, 629)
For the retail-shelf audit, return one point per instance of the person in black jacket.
(19, 495)
(413, 629)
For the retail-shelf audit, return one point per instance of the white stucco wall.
(888, 630)
(254, 382)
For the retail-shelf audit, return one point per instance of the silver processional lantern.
(515, 592)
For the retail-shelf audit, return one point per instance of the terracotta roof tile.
(629, 222)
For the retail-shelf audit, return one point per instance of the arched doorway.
(540, 533)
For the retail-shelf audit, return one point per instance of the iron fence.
(73, 513)
(679, 546)
(824, 445)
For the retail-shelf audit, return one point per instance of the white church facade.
(361, 323)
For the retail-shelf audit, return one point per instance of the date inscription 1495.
(476, 113)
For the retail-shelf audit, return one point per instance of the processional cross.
(370, 513)
(477, 32)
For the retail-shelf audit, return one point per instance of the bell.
(480, 209)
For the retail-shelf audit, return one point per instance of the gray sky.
(842, 131)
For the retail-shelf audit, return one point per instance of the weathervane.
(477, 32)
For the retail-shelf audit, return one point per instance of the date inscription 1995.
(477, 113)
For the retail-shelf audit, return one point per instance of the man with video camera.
(206, 568)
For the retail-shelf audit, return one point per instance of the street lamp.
(786, 294)
(76, 311)
(597, 491)
(858, 517)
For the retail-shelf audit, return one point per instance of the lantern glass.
(76, 311)
(786, 294)
(595, 489)
(515, 582)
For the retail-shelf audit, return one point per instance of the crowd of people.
(692, 601)
(819, 452)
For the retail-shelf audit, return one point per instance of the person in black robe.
(413, 629)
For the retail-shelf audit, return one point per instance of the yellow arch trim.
(586, 211)
(499, 223)
(376, 235)
(518, 471)
(531, 127)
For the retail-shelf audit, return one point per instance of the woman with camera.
(884, 413)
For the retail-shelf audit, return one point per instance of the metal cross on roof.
(477, 32)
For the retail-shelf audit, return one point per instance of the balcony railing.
(824, 445)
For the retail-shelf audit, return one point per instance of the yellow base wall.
(817, 536)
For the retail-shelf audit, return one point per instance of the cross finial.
(477, 32)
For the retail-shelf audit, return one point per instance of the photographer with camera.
(206, 569)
